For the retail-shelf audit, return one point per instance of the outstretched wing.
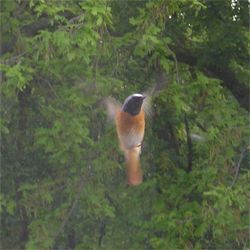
(161, 83)
(112, 106)
(147, 105)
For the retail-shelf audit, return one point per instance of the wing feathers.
(113, 106)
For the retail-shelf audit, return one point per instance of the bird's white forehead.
(137, 95)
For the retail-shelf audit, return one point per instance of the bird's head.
(133, 104)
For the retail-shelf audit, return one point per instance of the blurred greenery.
(63, 182)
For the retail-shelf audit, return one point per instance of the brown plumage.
(130, 131)
(130, 125)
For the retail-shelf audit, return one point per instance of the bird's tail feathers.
(134, 173)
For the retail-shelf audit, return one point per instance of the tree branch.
(176, 64)
(239, 90)
(238, 167)
(72, 208)
(75, 18)
(189, 146)
(102, 232)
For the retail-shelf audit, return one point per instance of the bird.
(130, 126)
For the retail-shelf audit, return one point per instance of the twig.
(49, 84)
(73, 206)
(189, 145)
(13, 58)
(102, 232)
(238, 167)
(176, 64)
(74, 19)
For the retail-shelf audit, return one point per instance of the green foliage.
(7, 204)
(63, 180)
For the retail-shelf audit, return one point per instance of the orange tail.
(134, 173)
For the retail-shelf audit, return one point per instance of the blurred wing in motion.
(112, 106)
(161, 83)
(147, 105)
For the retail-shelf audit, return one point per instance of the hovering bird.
(130, 125)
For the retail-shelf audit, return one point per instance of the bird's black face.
(133, 103)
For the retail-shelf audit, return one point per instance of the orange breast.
(130, 129)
